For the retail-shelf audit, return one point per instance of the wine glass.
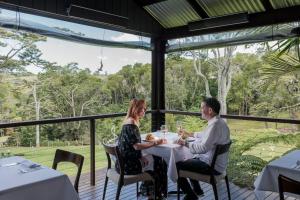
(178, 125)
(164, 130)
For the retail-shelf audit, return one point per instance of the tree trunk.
(197, 66)
(224, 75)
(37, 116)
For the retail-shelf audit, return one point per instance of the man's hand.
(184, 134)
(181, 142)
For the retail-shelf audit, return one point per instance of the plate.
(148, 140)
(190, 139)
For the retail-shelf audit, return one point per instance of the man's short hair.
(213, 103)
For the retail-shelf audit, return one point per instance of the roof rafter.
(267, 5)
(200, 11)
(255, 20)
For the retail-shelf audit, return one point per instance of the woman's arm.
(141, 146)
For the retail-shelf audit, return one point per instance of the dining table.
(287, 165)
(23, 179)
(170, 152)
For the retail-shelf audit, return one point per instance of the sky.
(88, 56)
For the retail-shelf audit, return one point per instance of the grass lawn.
(45, 155)
(269, 151)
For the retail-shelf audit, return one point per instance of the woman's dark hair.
(213, 103)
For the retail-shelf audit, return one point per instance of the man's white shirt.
(217, 132)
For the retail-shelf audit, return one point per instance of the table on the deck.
(268, 178)
(171, 153)
(22, 179)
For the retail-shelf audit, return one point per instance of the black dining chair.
(66, 156)
(286, 184)
(120, 179)
(211, 178)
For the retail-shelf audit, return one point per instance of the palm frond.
(286, 45)
(279, 66)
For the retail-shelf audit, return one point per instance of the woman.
(130, 147)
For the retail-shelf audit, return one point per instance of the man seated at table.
(216, 132)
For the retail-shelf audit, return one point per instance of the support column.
(158, 82)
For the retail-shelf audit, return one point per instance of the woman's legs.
(160, 176)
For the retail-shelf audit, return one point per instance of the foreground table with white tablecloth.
(268, 178)
(171, 153)
(22, 179)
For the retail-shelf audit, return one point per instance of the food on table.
(150, 137)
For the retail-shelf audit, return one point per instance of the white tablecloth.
(171, 153)
(268, 178)
(20, 182)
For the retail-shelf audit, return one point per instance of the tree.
(68, 91)
(20, 50)
(220, 59)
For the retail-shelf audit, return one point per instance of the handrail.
(61, 120)
(250, 118)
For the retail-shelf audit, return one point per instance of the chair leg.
(228, 189)
(214, 185)
(118, 191)
(178, 191)
(155, 193)
(104, 188)
(137, 190)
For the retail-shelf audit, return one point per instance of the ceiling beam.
(97, 16)
(200, 11)
(267, 5)
(143, 3)
(277, 16)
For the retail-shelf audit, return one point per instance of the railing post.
(92, 151)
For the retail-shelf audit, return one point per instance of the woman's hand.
(160, 141)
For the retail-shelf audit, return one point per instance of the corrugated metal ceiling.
(226, 7)
(284, 3)
(174, 13)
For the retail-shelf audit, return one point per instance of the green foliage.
(244, 165)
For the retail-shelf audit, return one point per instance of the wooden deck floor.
(87, 192)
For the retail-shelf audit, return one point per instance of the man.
(203, 148)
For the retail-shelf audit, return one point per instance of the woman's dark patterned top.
(129, 136)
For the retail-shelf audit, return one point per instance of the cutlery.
(9, 164)
(23, 171)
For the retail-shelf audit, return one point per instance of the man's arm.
(206, 144)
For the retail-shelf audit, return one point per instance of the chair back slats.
(113, 150)
(66, 156)
(220, 149)
(287, 185)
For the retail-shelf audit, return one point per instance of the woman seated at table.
(129, 143)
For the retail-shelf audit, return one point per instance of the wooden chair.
(211, 178)
(286, 184)
(112, 151)
(66, 156)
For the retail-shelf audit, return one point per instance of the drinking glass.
(178, 125)
(164, 130)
